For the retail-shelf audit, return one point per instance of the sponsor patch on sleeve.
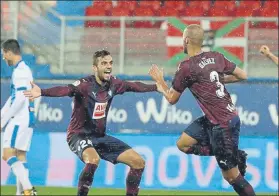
(76, 83)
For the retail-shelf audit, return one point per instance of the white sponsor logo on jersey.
(99, 110)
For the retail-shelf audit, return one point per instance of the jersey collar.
(18, 63)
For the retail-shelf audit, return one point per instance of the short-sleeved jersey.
(204, 75)
(20, 81)
(92, 102)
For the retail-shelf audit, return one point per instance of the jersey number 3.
(214, 77)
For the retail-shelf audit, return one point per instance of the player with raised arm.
(86, 133)
(17, 115)
(216, 133)
(265, 51)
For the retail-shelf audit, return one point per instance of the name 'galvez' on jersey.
(92, 101)
(204, 76)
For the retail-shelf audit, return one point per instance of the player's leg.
(91, 159)
(225, 148)
(116, 151)
(23, 145)
(194, 140)
(241, 161)
(136, 164)
(21, 156)
(82, 146)
(12, 140)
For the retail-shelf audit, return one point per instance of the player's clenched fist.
(264, 50)
(156, 73)
(34, 92)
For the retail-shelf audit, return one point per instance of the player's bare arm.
(170, 94)
(237, 76)
(266, 51)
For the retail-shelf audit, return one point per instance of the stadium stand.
(158, 8)
(182, 9)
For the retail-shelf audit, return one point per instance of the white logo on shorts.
(110, 93)
(224, 162)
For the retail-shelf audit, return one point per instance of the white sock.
(20, 172)
(19, 187)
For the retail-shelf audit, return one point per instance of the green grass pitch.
(10, 190)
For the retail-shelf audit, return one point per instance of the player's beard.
(102, 76)
(185, 50)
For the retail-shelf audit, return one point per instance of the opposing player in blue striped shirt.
(17, 116)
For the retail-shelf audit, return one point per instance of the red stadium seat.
(217, 12)
(193, 11)
(106, 5)
(141, 11)
(273, 4)
(131, 5)
(250, 4)
(203, 4)
(227, 5)
(179, 5)
(167, 11)
(92, 11)
(155, 4)
(269, 12)
(118, 11)
(244, 11)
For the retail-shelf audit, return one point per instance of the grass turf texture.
(10, 190)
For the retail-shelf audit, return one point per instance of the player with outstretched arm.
(217, 132)
(86, 133)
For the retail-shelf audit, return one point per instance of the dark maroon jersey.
(92, 101)
(204, 75)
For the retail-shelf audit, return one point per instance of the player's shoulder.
(184, 66)
(22, 70)
(87, 79)
(114, 79)
(219, 56)
(83, 81)
(216, 54)
(115, 82)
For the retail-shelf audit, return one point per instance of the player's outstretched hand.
(156, 73)
(34, 92)
(264, 50)
(159, 87)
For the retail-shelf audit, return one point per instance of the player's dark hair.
(11, 45)
(99, 53)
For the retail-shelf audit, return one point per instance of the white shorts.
(17, 136)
